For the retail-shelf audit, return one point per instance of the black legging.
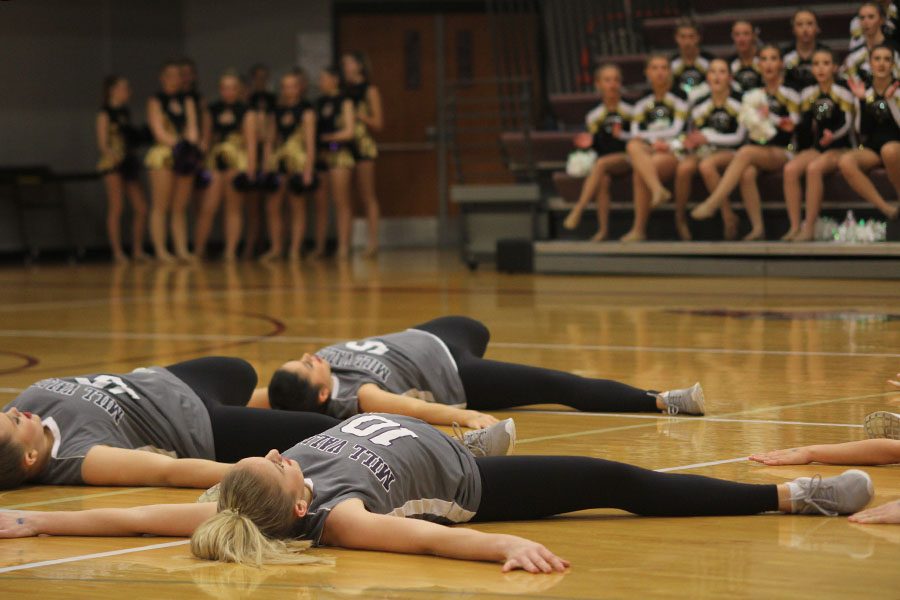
(494, 385)
(239, 431)
(532, 487)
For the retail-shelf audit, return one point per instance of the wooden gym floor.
(783, 362)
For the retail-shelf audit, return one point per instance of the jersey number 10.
(377, 423)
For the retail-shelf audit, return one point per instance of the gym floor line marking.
(684, 419)
(79, 497)
(711, 463)
(288, 339)
(60, 561)
(700, 419)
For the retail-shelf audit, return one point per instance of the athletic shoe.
(842, 495)
(883, 424)
(210, 495)
(497, 440)
(687, 401)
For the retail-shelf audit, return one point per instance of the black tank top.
(120, 124)
(227, 118)
(289, 118)
(173, 107)
(357, 93)
(329, 115)
(878, 124)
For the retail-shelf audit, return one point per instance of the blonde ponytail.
(254, 518)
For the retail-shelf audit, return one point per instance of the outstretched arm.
(350, 525)
(105, 465)
(173, 520)
(374, 399)
(863, 452)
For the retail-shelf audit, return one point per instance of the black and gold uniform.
(329, 119)
(890, 28)
(174, 121)
(600, 124)
(718, 123)
(228, 148)
(878, 119)
(121, 142)
(364, 147)
(656, 119)
(289, 154)
(747, 77)
(821, 110)
(798, 70)
(785, 102)
(857, 64)
(687, 76)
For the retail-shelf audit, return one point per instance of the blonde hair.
(254, 519)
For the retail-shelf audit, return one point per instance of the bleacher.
(550, 147)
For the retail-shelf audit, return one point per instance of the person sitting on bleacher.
(890, 26)
(744, 63)
(609, 127)
(690, 63)
(761, 154)
(871, 20)
(714, 135)
(878, 125)
(658, 119)
(798, 57)
(824, 134)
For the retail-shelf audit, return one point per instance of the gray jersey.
(412, 363)
(396, 465)
(147, 409)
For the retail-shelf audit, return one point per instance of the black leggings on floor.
(495, 385)
(532, 487)
(224, 385)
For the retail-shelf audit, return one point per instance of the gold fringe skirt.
(231, 153)
(288, 158)
(159, 156)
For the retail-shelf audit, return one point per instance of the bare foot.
(804, 235)
(140, 257)
(187, 257)
(343, 253)
(599, 236)
(119, 258)
(294, 257)
(684, 232)
(706, 209)
(633, 236)
(755, 235)
(371, 252)
(270, 256)
(660, 196)
(229, 257)
(318, 253)
(573, 218)
(892, 213)
(165, 258)
(790, 235)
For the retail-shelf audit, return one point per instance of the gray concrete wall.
(55, 54)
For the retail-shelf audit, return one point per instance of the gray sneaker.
(883, 424)
(687, 401)
(842, 495)
(497, 440)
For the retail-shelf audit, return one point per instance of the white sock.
(796, 492)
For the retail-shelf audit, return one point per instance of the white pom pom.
(580, 163)
(760, 129)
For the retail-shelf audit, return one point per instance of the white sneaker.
(497, 440)
(842, 495)
(687, 401)
(883, 424)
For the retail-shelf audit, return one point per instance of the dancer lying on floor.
(390, 483)
(436, 372)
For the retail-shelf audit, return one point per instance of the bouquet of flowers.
(755, 117)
